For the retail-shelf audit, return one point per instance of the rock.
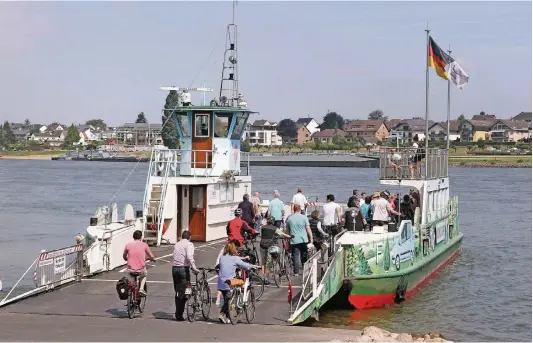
(404, 337)
(394, 335)
(376, 333)
(420, 339)
(363, 338)
(427, 337)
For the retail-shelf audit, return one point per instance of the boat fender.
(160, 167)
(173, 166)
(153, 227)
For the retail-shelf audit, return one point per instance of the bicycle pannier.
(122, 288)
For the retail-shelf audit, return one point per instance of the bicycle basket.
(122, 288)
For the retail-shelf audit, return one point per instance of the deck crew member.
(299, 199)
(135, 254)
(332, 214)
(275, 209)
(300, 231)
(182, 263)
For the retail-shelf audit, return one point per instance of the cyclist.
(236, 228)
(217, 267)
(135, 254)
(269, 237)
(228, 267)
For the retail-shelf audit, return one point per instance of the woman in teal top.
(367, 210)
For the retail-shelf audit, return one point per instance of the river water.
(484, 295)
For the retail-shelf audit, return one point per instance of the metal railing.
(195, 163)
(405, 163)
(52, 269)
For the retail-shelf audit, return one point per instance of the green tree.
(461, 119)
(386, 256)
(339, 140)
(6, 135)
(377, 115)
(364, 268)
(27, 122)
(141, 118)
(169, 133)
(245, 145)
(73, 137)
(480, 143)
(287, 128)
(97, 124)
(332, 120)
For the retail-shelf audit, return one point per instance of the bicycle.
(280, 265)
(135, 301)
(250, 250)
(199, 295)
(241, 298)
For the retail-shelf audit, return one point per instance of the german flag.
(438, 59)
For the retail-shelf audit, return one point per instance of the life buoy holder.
(153, 227)
(160, 166)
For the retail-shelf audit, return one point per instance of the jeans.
(257, 222)
(181, 277)
(298, 249)
(225, 302)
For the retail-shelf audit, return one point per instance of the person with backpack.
(269, 237)
(354, 200)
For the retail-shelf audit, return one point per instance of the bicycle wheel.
(233, 313)
(258, 284)
(205, 298)
(130, 305)
(142, 301)
(249, 307)
(191, 307)
(276, 271)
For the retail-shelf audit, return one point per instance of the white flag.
(457, 74)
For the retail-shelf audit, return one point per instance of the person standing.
(269, 237)
(299, 229)
(362, 200)
(248, 214)
(299, 199)
(354, 200)
(276, 209)
(256, 201)
(182, 263)
(332, 214)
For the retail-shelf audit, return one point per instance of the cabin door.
(179, 210)
(197, 212)
(202, 143)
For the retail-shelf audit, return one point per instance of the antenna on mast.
(229, 84)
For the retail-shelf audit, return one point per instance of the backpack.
(122, 288)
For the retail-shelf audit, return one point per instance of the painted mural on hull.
(384, 270)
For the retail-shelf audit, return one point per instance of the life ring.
(153, 227)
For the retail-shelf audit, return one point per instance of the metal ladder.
(161, 209)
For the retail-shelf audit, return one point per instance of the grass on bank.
(32, 153)
(491, 159)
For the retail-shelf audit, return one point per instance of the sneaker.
(223, 319)
(296, 275)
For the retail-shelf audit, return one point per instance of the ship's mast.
(229, 84)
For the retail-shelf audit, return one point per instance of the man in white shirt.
(332, 214)
(299, 199)
(362, 200)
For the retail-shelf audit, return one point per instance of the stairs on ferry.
(152, 218)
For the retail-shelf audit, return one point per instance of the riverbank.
(374, 334)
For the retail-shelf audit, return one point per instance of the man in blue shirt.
(300, 230)
(275, 209)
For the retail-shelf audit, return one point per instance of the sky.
(75, 61)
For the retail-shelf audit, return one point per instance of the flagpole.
(427, 98)
(448, 109)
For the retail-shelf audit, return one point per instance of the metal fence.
(60, 266)
(399, 163)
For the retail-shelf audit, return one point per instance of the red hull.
(379, 300)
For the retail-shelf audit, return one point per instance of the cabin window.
(221, 126)
(240, 120)
(184, 124)
(403, 238)
(408, 230)
(201, 125)
(226, 192)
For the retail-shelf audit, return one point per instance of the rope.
(162, 127)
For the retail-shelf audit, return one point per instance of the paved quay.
(91, 310)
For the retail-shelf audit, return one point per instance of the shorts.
(142, 273)
(266, 259)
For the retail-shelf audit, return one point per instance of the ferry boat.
(387, 264)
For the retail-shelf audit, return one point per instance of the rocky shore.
(489, 165)
(374, 334)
